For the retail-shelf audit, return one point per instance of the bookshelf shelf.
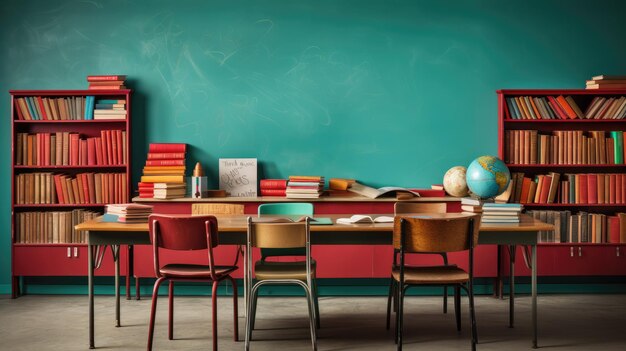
(85, 159)
(571, 150)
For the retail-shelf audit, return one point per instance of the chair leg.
(235, 309)
(311, 304)
(472, 315)
(317, 304)
(250, 306)
(389, 299)
(170, 321)
(457, 307)
(445, 288)
(214, 313)
(253, 302)
(401, 291)
(155, 295)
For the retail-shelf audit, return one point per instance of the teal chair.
(290, 209)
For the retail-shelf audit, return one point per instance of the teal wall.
(387, 92)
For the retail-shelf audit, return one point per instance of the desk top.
(238, 223)
(342, 198)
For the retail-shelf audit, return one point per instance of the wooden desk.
(232, 230)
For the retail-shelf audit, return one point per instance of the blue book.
(31, 108)
(110, 101)
(507, 205)
(89, 103)
(512, 110)
(104, 106)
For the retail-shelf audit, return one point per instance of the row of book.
(304, 187)
(565, 147)
(570, 188)
(273, 187)
(164, 173)
(110, 109)
(606, 82)
(83, 188)
(51, 227)
(582, 227)
(564, 107)
(41, 108)
(69, 149)
(106, 82)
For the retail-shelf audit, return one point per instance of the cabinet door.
(573, 260)
(61, 261)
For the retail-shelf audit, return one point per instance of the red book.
(59, 188)
(166, 156)
(18, 109)
(618, 188)
(44, 116)
(46, 149)
(92, 188)
(91, 152)
(74, 149)
(273, 192)
(85, 183)
(79, 196)
(557, 108)
(592, 188)
(623, 188)
(273, 184)
(105, 156)
(105, 87)
(166, 163)
(545, 189)
(612, 180)
(614, 229)
(114, 147)
(106, 78)
(167, 147)
(583, 191)
(111, 187)
(430, 192)
(109, 149)
(84, 156)
(146, 185)
(525, 189)
(99, 158)
(566, 107)
(120, 147)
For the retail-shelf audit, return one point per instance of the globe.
(454, 181)
(487, 177)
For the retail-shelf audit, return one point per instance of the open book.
(355, 219)
(373, 193)
(292, 219)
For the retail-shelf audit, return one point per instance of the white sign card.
(238, 176)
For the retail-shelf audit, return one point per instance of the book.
(373, 193)
(100, 78)
(608, 77)
(360, 219)
(167, 148)
(293, 219)
(340, 183)
(474, 201)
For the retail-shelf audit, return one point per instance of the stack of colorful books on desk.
(470, 205)
(127, 213)
(501, 213)
(305, 187)
(165, 166)
(273, 187)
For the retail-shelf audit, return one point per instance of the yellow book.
(163, 179)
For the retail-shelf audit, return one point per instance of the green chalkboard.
(392, 93)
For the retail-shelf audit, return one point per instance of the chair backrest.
(287, 208)
(435, 234)
(419, 207)
(278, 235)
(183, 232)
(216, 209)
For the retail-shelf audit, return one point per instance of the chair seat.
(432, 275)
(264, 270)
(194, 271)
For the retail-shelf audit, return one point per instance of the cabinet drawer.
(61, 261)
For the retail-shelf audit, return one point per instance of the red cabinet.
(60, 260)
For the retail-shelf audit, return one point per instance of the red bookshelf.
(41, 244)
(565, 257)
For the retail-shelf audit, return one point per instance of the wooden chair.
(293, 209)
(279, 236)
(420, 235)
(187, 233)
(417, 208)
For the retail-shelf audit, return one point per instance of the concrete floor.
(566, 322)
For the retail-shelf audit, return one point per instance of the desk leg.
(534, 294)
(512, 249)
(90, 258)
(129, 270)
(497, 287)
(116, 258)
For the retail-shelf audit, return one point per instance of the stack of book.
(273, 187)
(108, 82)
(165, 166)
(606, 82)
(127, 213)
(109, 109)
(501, 213)
(470, 205)
(305, 187)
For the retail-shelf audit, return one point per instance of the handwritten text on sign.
(238, 176)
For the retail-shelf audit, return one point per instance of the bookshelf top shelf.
(551, 165)
(71, 121)
(540, 92)
(98, 92)
(559, 121)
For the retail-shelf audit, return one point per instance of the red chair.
(188, 233)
